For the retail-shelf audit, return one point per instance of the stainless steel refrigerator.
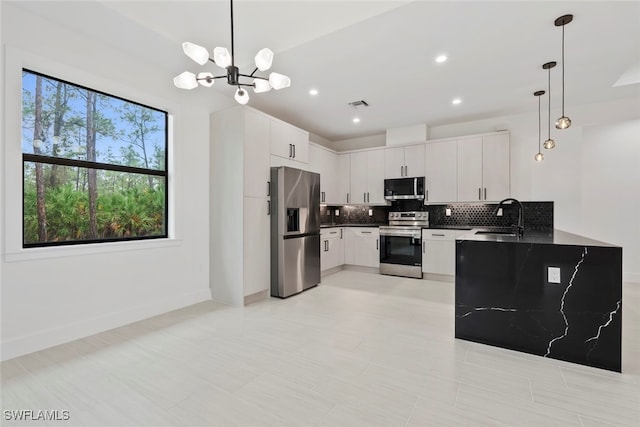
(295, 231)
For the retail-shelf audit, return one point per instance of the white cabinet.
(362, 246)
(331, 248)
(328, 165)
(483, 168)
(367, 177)
(401, 162)
(441, 175)
(239, 225)
(343, 176)
(288, 141)
(439, 251)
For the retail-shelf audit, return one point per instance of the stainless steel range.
(401, 244)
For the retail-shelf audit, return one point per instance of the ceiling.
(383, 52)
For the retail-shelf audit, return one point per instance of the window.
(94, 165)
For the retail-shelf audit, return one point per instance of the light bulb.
(221, 57)
(185, 80)
(539, 157)
(241, 96)
(37, 143)
(206, 79)
(563, 122)
(260, 85)
(264, 59)
(549, 144)
(279, 81)
(195, 52)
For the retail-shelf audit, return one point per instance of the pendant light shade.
(261, 85)
(279, 81)
(223, 59)
(549, 144)
(563, 122)
(241, 96)
(195, 52)
(539, 156)
(185, 80)
(263, 59)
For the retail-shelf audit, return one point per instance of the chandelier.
(222, 58)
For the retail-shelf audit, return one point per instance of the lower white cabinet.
(331, 248)
(362, 246)
(439, 251)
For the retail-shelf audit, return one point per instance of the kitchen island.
(553, 294)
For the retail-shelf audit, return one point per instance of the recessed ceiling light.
(313, 92)
(441, 58)
(356, 120)
(456, 101)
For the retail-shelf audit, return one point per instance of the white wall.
(54, 295)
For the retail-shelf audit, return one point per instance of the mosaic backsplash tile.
(537, 216)
(354, 215)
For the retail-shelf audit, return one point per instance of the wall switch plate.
(553, 274)
(337, 212)
(499, 213)
(370, 212)
(447, 212)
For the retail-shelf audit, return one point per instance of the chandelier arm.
(251, 76)
(245, 84)
(253, 72)
(211, 78)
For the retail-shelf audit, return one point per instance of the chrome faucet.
(520, 227)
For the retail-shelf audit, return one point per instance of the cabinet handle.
(364, 197)
(347, 197)
(368, 200)
(401, 170)
(485, 193)
(294, 151)
(268, 207)
(341, 233)
(377, 245)
(333, 232)
(437, 235)
(322, 196)
(406, 171)
(366, 232)
(426, 196)
(479, 193)
(423, 242)
(290, 150)
(268, 188)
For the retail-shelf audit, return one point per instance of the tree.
(92, 178)
(38, 136)
(143, 125)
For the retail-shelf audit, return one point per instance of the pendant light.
(549, 143)
(539, 156)
(564, 121)
(223, 59)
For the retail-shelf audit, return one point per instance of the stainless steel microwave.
(404, 188)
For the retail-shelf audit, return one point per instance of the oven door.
(401, 246)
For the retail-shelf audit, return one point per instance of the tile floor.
(358, 350)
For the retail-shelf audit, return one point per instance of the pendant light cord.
(539, 120)
(563, 70)
(549, 120)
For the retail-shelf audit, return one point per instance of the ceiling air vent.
(361, 103)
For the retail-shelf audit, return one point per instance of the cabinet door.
(470, 170)
(343, 180)
(367, 247)
(442, 172)
(256, 250)
(495, 167)
(300, 141)
(359, 177)
(280, 139)
(256, 154)
(394, 162)
(375, 177)
(439, 257)
(414, 160)
(349, 246)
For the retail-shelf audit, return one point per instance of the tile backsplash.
(354, 215)
(537, 216)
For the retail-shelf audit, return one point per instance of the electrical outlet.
(447, 212)
(499, 213)
(370, 212)
(337, 212)
(553, 274)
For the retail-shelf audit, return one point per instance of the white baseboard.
(55, 336)
(439, 277)
(258, 296)
(361, 269)
(330, 271)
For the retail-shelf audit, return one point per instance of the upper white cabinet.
(401, 162)
(256, 154)
(288, 141)
(441, 184)
(367, 177)
(343, 176)
(483, 168)
(325, 162)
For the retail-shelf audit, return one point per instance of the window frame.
(62, 161)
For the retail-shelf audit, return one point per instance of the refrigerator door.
(298, 265)
(298, 205)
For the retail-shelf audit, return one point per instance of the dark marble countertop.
(555, 237)
(350, 225)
